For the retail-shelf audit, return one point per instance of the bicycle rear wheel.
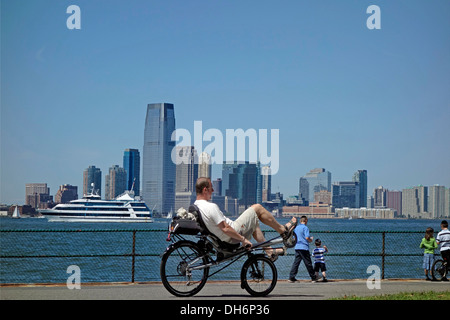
(439, 270)
(259, 276)
(176, 271)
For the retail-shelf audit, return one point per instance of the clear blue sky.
(343, 97)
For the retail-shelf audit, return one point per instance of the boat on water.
(16, 213)
(91, 208)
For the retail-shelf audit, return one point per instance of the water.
(109, 241)
(313, 224)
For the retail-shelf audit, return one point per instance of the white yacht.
(92, 209)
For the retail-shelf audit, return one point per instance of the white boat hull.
(97, 219)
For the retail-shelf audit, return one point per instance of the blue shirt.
(302, 232)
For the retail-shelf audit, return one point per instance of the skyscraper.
(186, 176)
(394, 200)
(92, 175)
(132, 165)
(436, 201)
(244, 182)
(158, 169)
(115, 182)
(379, 197)
(314, 181)
(266, 176)
(360, 176)
(66, 193)
(204, 165)
(37, 195)
(186, 169)
(415, 202)
(345, 194)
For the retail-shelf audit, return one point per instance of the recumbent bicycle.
(185, 264)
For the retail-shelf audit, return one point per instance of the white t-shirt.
(443, 238)
(212, 216)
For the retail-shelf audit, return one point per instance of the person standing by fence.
(319, 260)
(302, 250)
(428, 244)
(443, 240)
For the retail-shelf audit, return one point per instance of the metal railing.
(43, 256)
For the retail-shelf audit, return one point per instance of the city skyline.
(344, 97)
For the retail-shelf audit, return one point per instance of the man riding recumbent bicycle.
(185, 264)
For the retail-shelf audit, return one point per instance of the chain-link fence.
(44, 256)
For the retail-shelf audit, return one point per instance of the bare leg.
(267, 218)
(258, 235)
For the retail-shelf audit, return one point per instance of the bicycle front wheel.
(182, 269)
(439, 270)
(259, 276)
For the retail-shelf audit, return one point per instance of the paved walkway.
(217, 290)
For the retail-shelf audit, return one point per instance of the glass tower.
(360, 176)
(314, 181)
(243, 182)
(158, 169)
(132, 165)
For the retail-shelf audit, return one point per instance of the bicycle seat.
(221, 245)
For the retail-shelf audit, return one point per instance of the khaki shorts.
(246, 223)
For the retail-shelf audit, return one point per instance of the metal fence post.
(383, 254)
(133, 253)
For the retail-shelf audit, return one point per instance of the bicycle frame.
(233, 256)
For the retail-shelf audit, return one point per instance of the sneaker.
(324, 280)
(292, 280)
(444, 279)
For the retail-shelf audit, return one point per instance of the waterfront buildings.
(394, 200)
(313, 210)
(415, 202)
(132, 165)
(345, 194)
(365, 213)
(66, 193)
(115, 182)
(92, 176)
(380, 197)
(314, 181)
(323, 196)
(438, 201)
(158, 169)
(37, 195)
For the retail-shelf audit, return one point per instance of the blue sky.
(343, 97)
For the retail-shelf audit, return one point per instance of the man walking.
(302, 250)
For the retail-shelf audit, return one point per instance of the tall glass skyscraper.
(243, 182)
(158, 169)
(360, 176)
(132, 165)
